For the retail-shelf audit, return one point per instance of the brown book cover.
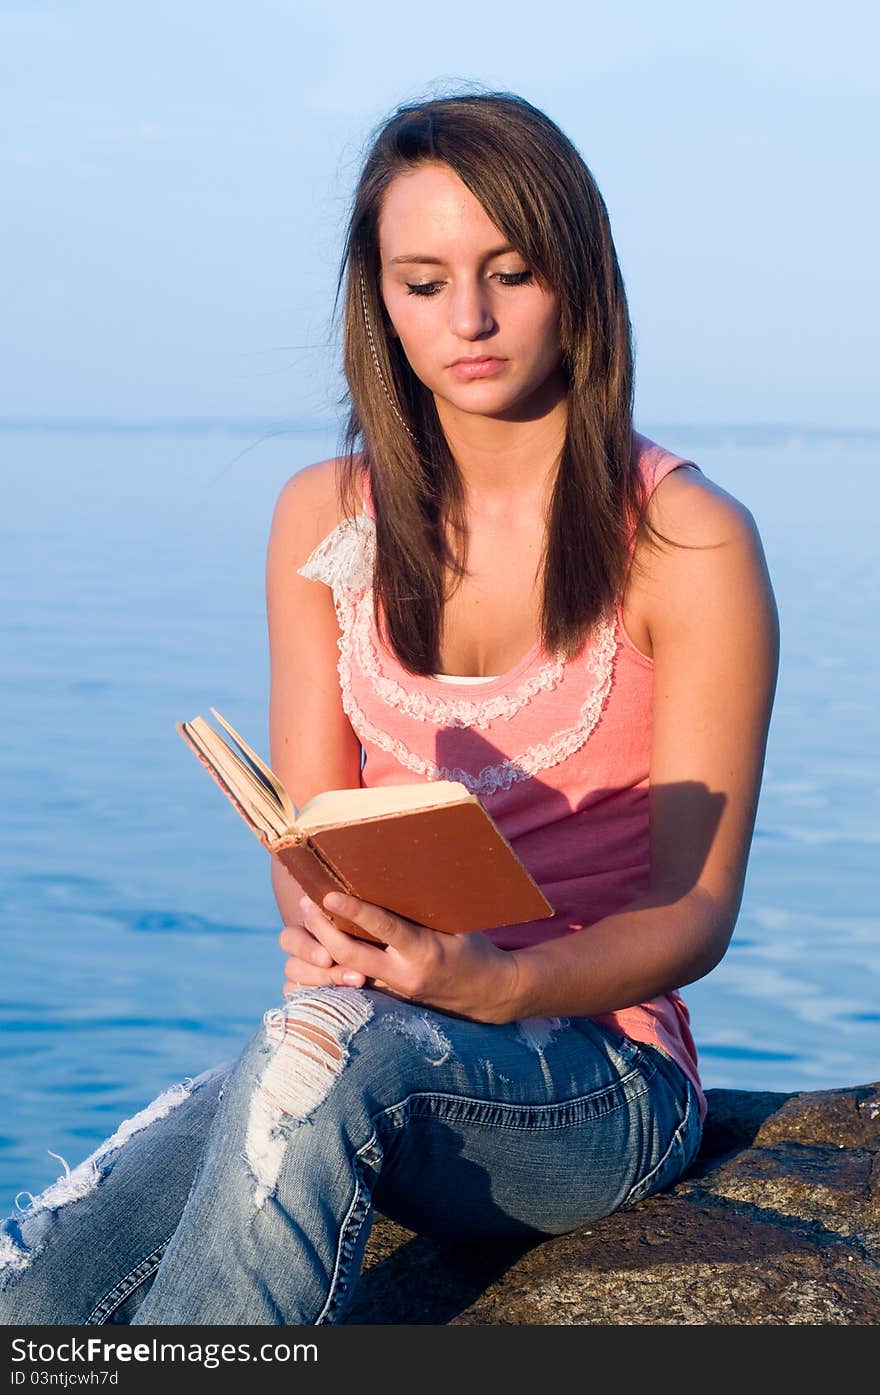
(429, 852)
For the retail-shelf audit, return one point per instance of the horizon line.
(279, 426)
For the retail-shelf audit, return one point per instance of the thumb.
(379, 923)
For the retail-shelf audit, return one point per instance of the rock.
(777, 1223)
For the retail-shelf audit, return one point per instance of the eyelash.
(507, 278)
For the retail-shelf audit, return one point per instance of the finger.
(347, 950)
(381, 924)
(300, 974)
(302, 944)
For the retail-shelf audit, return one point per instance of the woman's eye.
(506, 278)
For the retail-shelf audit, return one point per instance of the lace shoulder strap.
(344, 559)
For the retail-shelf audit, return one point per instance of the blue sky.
(176, 178)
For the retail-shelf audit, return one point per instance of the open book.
(429, 852)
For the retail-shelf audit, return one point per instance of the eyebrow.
(438, 261)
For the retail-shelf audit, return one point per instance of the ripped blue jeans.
(246, 1196)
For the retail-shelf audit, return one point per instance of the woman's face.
(475, 325)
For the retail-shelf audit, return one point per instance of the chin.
(486, 397)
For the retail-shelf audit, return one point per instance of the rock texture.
(777, 1223)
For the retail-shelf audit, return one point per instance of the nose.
(471, 315)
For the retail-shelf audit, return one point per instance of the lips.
(482, 366)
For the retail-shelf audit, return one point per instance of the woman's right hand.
(309, 964)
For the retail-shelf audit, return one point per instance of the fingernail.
(355, 980)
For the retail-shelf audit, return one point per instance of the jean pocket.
(679, 1155)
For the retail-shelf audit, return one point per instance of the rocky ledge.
(778, 1222)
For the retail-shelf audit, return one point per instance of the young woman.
(499, 582)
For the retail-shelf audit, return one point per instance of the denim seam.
(348, 1233)
(107, 1306)
(677, 1141)
(563, 1122)
(359, 1217)
(567, 1110)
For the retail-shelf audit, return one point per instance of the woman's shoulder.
(683, 501)
(311, 500)
(699, 538)
(691, 508)
(707, 565)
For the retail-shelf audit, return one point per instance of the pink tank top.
(559, 753)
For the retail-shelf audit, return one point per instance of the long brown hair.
(538, 191)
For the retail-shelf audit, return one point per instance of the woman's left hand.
(466, 974)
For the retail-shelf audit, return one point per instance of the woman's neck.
(503, 462)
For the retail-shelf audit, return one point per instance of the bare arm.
(312, 744)
(715, 636)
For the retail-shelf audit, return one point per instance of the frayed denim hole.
(537, 1033)
(424, 1030)
(18, 1250)
(307, 1048)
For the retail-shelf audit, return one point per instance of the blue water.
(139, 928)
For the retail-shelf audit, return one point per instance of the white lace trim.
(523, 766)
(344, 561)
(427, 707)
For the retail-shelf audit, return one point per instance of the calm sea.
(139, 929)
